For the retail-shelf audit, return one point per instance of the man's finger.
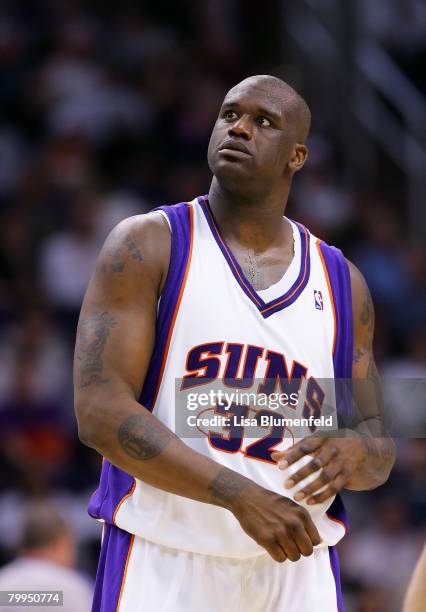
(332, 489)
(303, 542)
(276, 552)
(302, 448)
(313, 466)
(326, 453)
(327, 474)
(312, 531)
(288, 545)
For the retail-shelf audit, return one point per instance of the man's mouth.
(235, 147)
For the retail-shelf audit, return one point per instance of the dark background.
(106, 111)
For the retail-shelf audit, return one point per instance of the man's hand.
(335, 459)
(284, 529)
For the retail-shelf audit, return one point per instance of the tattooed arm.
(115, 339)
(361, 457)
(369, 422)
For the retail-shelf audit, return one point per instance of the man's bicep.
(116, 330)
(366, 380)
(363, 315)
(113, 347)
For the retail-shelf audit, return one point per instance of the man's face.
(253, 138)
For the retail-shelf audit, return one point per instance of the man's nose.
(241, 128)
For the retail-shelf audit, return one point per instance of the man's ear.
(298, 157)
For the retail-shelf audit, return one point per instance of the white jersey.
(214, 328)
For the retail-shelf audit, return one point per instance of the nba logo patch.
(319, 305)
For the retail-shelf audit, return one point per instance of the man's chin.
(231, 172)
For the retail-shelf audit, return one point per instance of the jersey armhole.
(164, 215)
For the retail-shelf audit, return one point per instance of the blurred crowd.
(106, 112)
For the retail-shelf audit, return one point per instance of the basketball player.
(225, 287)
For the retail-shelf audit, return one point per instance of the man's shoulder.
(177, 213)
(157, 222)
(149, 230)
(143, 225)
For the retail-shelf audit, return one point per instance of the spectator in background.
(34, 434)
(67, 259)
(381, 256)
(404, 386)
(45, 562)
(383, 554)
(13, 158)
(416, 261)
(372, 600)
(321, 199)
(16, 252)
(34, 339)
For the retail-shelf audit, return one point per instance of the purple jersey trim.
(340, 281)
(335, 567)
(266, 309)
(114, 483)
(340, 284)
(115, 549)
(337, 513)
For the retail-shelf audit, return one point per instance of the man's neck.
(253, 222)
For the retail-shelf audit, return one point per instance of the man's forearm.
(141, 445)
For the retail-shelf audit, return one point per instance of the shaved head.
(296, 109)
(258, 140)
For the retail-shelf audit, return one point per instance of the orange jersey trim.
(327, 278)
(122, 500)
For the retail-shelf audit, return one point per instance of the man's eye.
(229, 115)
(263, 121)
